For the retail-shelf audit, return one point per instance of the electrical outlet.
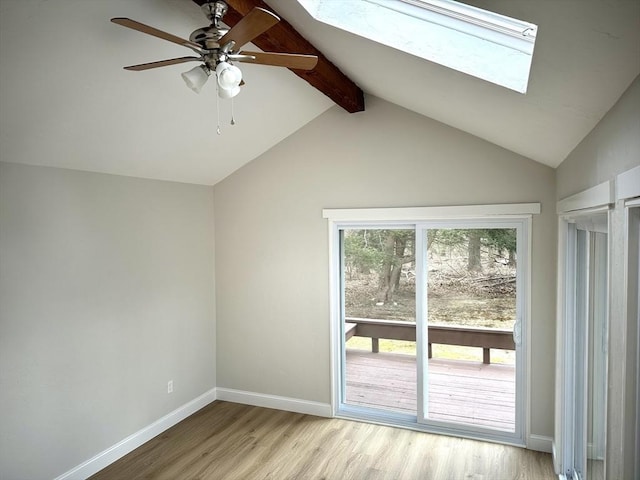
(170, 386)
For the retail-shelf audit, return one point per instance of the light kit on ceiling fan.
(229, 77)
(218, 46)
(196, 77)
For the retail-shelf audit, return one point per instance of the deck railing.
(485, 338)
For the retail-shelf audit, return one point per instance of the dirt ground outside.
(470, 300)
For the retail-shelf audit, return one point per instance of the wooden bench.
(485, 338)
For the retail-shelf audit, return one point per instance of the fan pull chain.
(233, 120)
(218, 109)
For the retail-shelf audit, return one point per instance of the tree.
(385, 252)
(504, 241)
(491, 241)
(474, 259)
(398, 249)
(361, 254)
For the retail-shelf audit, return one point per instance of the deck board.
(459, 391)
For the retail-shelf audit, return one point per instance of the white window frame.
(491, 26)
(339, 219)
(579, 209)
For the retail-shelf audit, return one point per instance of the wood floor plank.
(227, 441)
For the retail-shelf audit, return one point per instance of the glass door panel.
(596, 356)
(471, 330)
(379, 319)
(584, 389)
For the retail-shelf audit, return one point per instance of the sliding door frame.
(628, 197)
(582, 270)
(632, 280)
(339, 219)
(581, 211)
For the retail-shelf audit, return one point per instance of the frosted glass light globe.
(229, 76)
(196, 78)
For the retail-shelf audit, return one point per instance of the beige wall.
(611, 148)
(272, 284)
(106, 293)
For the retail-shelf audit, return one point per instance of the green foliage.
(498, 239)
(367, 250)
(362, 252)
(502, 239)
(447, 237)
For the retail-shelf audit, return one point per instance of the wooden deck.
(459, 391)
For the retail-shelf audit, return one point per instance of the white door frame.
(585, 209)
(344, 218)
(579, 255)
(632, 280)
(628, 196)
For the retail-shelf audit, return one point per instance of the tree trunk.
(389, 281)
(385, 294)
(401, 245)
(474, 260)
(431, 237)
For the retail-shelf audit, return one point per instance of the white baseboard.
(540, 443)
(273, 401)
(120, 449)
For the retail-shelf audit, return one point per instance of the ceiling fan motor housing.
(207, 37)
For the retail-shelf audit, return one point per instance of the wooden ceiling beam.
(282, 37)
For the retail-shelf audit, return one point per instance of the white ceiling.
(66, 101)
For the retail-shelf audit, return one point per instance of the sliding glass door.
(584, 351)
(432, 325)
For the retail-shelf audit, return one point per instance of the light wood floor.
(237, 442)
(459, 391)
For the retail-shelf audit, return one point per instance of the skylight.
(477, 42)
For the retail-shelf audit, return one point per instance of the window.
(483, 44)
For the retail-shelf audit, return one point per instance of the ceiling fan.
(217, 47)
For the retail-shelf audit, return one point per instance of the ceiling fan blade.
(289, 60)
(249, 27)
(162, 63)
(141, 27)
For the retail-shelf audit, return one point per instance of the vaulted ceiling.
(66, 101)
